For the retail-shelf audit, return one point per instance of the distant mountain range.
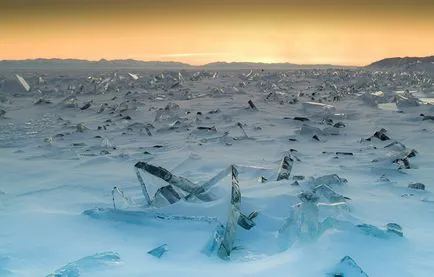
(405, 64)
(402, 64)
(135, 64)
(76, 63)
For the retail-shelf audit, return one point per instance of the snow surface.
(59, 162)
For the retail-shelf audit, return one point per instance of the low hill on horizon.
(405, 64)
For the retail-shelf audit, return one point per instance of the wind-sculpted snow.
(209, 172)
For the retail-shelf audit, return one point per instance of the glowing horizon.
(199, 32)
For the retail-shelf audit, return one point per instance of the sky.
(198, 32)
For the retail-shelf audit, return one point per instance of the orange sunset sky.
(197, 32)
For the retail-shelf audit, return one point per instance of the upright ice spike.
(285, 168)
(143, 185)
(234, 214)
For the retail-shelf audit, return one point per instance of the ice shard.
(164, 174)
(159, 251)
(99, 261)
(242, 129)
(215, 241)
(180, 77)
(391, 230)
(207, 185)
(148, 132)
(167, 176)
(329, 194)
(121, 199)
(307, 217)
(285, 168)
(347, 267)
(142, 185)
(402, 163)
(394, 228)
(247, 222)
(167, 194)
(227, 244)
(133, 76)
(23, 82)
(252, 105)
(318, 108)
(301, 118)
(86, 106)
(381, 135)
(330, 180)
(418, 186)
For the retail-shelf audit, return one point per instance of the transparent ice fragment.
(307, 217)
(23, 82)
(347, 267)
(227, 244)
(215, 241)
(329, 180)
(329, 194)
(391, 230)
(89, 263)
(159, 251)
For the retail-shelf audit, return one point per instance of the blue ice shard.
(391, 230)
(347, 267)
(159, 251)
(89, 263)
(215, 241)
(234, 213)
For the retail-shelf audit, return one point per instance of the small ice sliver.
(23, 82)
(159, 251)
(98, 261)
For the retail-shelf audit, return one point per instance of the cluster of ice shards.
(394, 153)
(169, 113)
(391, 101)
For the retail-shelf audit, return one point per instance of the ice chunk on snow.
(329, 180)
(159, 251)
(89, 263)
(347, 267)
(427, 100)
(391, 230)
(23, 82)
(314, 107)
(391, 107)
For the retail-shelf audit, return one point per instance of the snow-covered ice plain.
(67, 138)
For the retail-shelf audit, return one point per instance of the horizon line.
(206, 64)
